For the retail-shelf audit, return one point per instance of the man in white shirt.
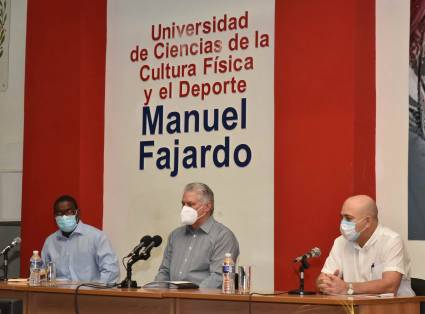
(367, 257)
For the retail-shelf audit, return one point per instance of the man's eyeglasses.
(66, 212)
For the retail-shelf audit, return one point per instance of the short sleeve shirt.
(383, 252)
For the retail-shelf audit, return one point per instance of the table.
(60, 299)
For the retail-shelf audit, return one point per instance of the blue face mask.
(348, 230)
(66, 223)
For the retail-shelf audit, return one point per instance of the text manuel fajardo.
(190, 156)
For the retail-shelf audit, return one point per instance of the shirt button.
(190, 247)
(194, 235)
(185, 259)
(180, 273)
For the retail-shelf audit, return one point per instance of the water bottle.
(228, 285)
(36, 265)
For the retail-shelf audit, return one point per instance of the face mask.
(66, 223)
(348, 230)
(189, 215)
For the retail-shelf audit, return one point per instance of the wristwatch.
(350, 290)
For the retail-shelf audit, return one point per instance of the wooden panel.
(184, 306)
(50, 303)
(284, 308)
(343, 300)
(60, 299)
(69, 288)
(187, 306)
(411, 308)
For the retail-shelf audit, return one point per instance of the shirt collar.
(206, 226)
(371, 240)
(80, 229)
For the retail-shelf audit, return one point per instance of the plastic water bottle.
(228, 285)
(35, 267)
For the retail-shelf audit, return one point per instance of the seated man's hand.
(321, 280)
(331, 284)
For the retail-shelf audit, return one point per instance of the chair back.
(418, 285)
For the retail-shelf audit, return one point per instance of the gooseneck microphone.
(156, 241)
(5, 253)
(145, 241)
(314, 252)
(15, 242)
(140, 252)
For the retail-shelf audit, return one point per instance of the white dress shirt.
(384, 251)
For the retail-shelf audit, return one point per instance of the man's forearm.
(163, 275)
(109, 276)
(213, 281)
(375, 286)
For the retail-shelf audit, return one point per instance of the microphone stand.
(303, 266)
(127, 282)
(5, 266)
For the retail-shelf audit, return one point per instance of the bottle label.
(228, 269)
(36, 264)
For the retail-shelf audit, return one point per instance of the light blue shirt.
(86, 255)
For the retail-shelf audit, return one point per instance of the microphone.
(146, 240)
(156, 241)
(315, 252)
(15, 241)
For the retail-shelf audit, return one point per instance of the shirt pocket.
(376, 270)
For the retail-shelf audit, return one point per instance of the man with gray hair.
(195, 251)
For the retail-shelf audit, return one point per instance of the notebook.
(172, 285)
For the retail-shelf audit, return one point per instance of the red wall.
(324, 106)
(64, 114)
(325, 124)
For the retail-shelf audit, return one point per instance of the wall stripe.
(64, 102)
(92, 108)
(325, 124)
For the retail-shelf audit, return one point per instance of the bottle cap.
(228, 255)
(35, 252)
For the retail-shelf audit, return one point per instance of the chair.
(418, 285)
(11, 306)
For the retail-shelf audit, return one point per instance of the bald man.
(367, 258)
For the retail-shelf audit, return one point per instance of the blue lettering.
(204, 150)
(174, 119)
(243, 115)
(225, 149)
(157, 122)
(176, 159)
(163, 161)
(187, 115)
(144, 154)
(214, 126)
(189, 161)
(236, 157)
(229, 114)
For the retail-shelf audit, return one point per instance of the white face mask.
(188, 215)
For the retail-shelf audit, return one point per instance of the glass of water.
(51, 272)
